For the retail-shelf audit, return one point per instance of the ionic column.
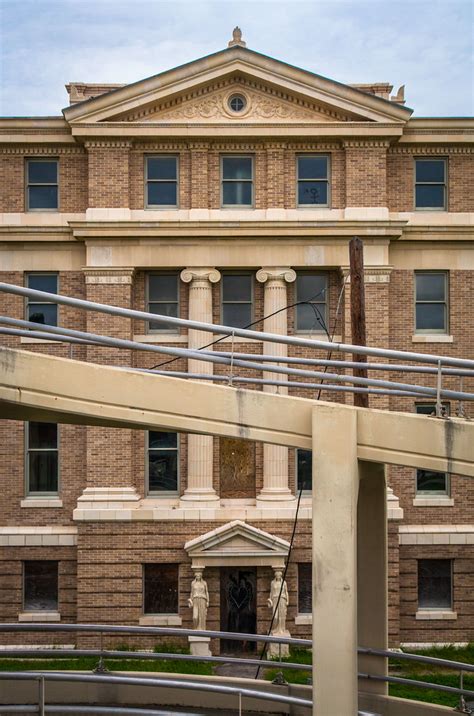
(200, 447)
(275, 457)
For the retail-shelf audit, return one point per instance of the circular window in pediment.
(237, 103)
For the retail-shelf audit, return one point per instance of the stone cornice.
(41, 149)
(276, 273)
(420, 149)
(189, 275)
(108, 144)
(365, 144)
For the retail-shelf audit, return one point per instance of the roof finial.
(237, 38)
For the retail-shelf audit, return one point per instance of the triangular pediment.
(198, 91)
(237, 540)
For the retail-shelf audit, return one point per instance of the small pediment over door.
(237, 544)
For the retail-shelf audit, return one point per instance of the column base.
(275, 495)
(200, 495)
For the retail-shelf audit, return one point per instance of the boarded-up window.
(160, 588)
(305, 583)
(237, 468)
(40, 586)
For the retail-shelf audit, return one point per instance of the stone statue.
(199, 601)
(279, 607)
(236, 38)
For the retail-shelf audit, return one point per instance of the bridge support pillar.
(335, 491)
(372, 578)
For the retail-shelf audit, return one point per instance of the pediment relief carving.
(262, 104)
(237, 538)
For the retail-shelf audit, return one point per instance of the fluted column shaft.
(275, 457)
(200, 447)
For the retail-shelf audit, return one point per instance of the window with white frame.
(305, 587)
(431, 301)
(313, 180)
(237, 181)
(431, 482)
(40, 586)
(304, 470)
(39, 310)
(163, 463)
(42, 459)
(312, 302)
(160, 588)
(430, 183)
(435, 584)
(163, 300)
(162, 181)
(42, 185)
(237, 295)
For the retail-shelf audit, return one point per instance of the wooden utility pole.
(356, 263)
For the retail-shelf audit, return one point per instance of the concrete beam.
(34, 386)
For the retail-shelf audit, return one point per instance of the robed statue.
(199, 601)
(278, 603)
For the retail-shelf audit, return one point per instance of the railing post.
(41, 710)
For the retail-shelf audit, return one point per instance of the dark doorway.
(238, 606)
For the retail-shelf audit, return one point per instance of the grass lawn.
(405, 669)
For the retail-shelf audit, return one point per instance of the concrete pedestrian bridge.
(350, 449)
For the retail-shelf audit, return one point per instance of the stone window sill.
(39, 617)
(27, 339)
(304, 619)
(434, 501)
(430, 614)
(160, 338)
(41, 502)
(431, 338)
(161, 620)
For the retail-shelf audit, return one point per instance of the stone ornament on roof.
(237, 38)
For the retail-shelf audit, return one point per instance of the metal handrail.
(419, 684)
(238, 332)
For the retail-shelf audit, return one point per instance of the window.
(40, 586)
(160, 588)
(162, 181)
(431, 302)
(435, 584)
(313, 182)
(39, 311)
(162, 462)
(430, 183)
(42, 184)
(237, 103)
(311, 316)
(305, 587)
(430, 482)
(304, 469)
(163, 299)
(237, 299)
(42, 464)
(237, 181)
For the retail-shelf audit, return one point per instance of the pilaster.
(199, 175)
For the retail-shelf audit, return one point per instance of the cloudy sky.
(426, 44)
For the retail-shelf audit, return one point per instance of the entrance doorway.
(238, 606)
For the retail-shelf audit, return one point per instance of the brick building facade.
(225, 190)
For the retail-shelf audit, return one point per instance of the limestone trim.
(365, 144)
(433, 501)
(372, 274)
(432, 338)
(108, 276)
(159, 146)
(394, 511)
(283, 275)
(436, 534)
(41, 502)
(196, 512)
(27, 536)
(237, 543)
(108, 499)
(445, 149)
(303, 619)
(200, 274)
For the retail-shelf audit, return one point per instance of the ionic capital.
(276, 273)
(200, 274)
